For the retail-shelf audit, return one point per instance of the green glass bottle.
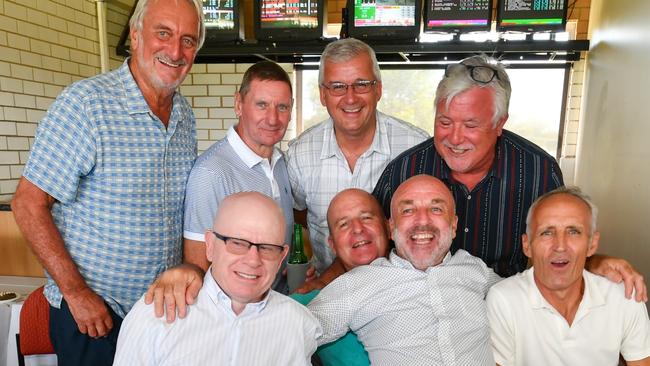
(298, 263)
(297, 254)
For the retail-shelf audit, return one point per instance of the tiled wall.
(47, 44)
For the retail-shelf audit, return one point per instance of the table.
(10, 320)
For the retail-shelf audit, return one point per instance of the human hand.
(90, 313)
(619, 270)
(309, 286)
(311, 274)
(176, 287)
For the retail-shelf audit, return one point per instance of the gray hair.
(344, 50)
(458, 80)
(571, 191)
(141, 9)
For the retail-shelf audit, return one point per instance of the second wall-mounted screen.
(455, 16)
(384, 19)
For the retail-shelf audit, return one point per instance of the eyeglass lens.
(241, 246)
(359, 87)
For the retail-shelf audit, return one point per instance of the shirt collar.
(245, 153)
(380, 143)
(499, 166)
(134, 98)
(400, 262)
(136, 104)
(220, 298)
(591, 298)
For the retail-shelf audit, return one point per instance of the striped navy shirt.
(492, 217)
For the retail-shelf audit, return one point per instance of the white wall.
(613, 160)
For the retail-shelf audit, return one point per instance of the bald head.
(421, 183)
(252, 213)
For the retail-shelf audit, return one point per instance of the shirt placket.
(445, 347)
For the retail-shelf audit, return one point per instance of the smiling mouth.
(246, 275)
(169, 63)
(361, 243)
(355, 110)
(422, 238)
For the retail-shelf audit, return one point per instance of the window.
(535, 106)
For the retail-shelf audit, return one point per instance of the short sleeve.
(333, 310)
(65, 148)
(636, 335)
(203, 194)
(299, 195)
(501, 328)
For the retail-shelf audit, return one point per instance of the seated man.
(236, 319)
(422, 305)
(556, 313)
(358, 234)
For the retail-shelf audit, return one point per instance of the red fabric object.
(35, 325)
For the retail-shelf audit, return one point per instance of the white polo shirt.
(527, 330)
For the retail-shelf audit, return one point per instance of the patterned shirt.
(492, 217)
(404, 316)
(275, 331)
(318, 170)
(118, 176)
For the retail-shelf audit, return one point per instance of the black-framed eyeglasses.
(241, 246)
(360, 87)
(480, 74)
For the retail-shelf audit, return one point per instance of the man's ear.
(331, 244)
(454, 226)
(134, 36)
(526, 246)
(391, 228)
(500, 124)
(209, 245)
(238, 107)
(593, 245)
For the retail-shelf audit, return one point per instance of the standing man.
(352, 147)
(246, 160)
(493, 174)
(101, 198)
(556, 312)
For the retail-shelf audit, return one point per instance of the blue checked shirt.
(118, 176)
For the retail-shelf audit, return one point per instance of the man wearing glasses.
(348, 150)
(493, 174)
(237, 319)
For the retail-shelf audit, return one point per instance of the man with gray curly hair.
(494, 174)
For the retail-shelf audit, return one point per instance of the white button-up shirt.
(274, 331)
(318, 170)
(404, 316)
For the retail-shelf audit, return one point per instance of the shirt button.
(469, 197)
(466, 230)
